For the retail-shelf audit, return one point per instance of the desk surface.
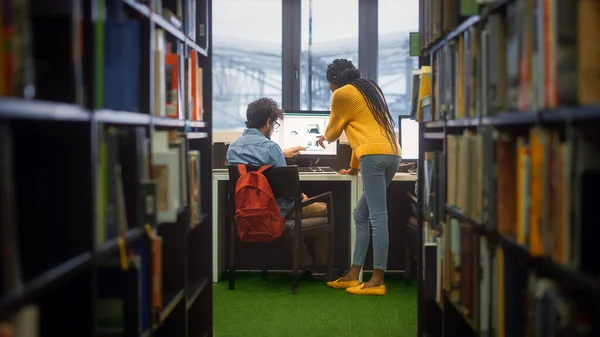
(223, 175)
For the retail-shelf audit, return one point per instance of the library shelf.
(112, 245)
(563, 114)
(197, 135)
(33, 109)
(97, 170)
(571, 279)
(166, 25)
(166, 122)
(121, 117)
(434, 135)
(464, 26)
(533, 150)
(196, 124)
(51, 278)
(466, 122)
(170, 307)
(195, 291)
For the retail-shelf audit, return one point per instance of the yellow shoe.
(339, 284)
(361, 290)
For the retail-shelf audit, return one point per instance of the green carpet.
(267, 308)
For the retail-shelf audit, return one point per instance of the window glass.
(397, 18)
(329, 31)
(246, 58)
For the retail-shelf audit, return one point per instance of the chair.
(285, 183)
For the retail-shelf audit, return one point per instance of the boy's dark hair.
(259, 111)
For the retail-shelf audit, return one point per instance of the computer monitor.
(303, 128)
(408, 137)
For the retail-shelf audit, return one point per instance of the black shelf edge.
(168, 309)
(18, 108)
(452, 35)
(511, 118)
(463, 122)
(43, 282)
(168, 122)
(196, 135)
(164, 24)
(463, 27)
(141, 8)
(192, 44)
(567, 277)
(121, 117)
(434, 124)
(434, 135)
(191, 298)
(112, 245)
(471, 21)
(571, 113)
(196, 124)
(460, 310)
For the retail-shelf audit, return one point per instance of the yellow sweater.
(350, 113)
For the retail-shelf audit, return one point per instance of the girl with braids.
(358, 107)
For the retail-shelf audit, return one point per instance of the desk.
(312, 184)
(309, 187)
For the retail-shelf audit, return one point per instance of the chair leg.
(232, 255)
(330, 256)
(264, 258)
(295, 267)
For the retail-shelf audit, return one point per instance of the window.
(329, 31)
(397, 18)
(246, 58)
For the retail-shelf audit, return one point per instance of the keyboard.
(316, 169)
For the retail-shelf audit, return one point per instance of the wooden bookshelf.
(508, 153)
(105, 168)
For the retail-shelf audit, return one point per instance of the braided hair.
(341, 72)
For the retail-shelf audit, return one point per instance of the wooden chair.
(285, 183)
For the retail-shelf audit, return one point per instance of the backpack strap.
(263, 168)
(242, 169)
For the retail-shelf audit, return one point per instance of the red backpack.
(257, 214)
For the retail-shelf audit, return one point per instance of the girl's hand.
(351, 172)
(321, 141)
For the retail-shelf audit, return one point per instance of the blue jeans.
(377, 172)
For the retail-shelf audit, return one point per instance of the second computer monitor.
(303, 128)
(408, 132)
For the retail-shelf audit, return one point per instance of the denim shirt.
(256, 149)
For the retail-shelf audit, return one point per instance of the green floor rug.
(267, 308)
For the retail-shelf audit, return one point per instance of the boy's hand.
(293, 151)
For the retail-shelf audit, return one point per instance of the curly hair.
(341, 72)
(259, 111)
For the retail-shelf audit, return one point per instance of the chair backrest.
(284, 180)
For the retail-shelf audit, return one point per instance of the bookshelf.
(105, 168)
(509, 101)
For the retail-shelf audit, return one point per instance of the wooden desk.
(344, 189)
(312, 184)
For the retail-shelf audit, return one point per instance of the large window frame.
(292, 47)
(368, 53)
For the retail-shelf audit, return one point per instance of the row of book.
(127, 196)
(532, 55)
(532, 188)
(170, 89)
(44, 51)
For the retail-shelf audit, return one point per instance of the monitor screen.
(409, 138)
(303, 129)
